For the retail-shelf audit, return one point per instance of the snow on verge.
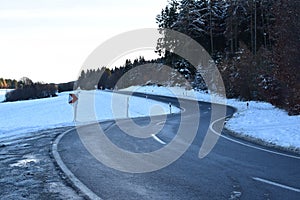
(27, 116)
(260, 120)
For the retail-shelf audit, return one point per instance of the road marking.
(238, 142)
(161, 123)
(182, 109)
(259, 148)
(248, 145)
(158, 139)
(209, 144)
(276, 184)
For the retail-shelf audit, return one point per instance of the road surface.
(234, 169)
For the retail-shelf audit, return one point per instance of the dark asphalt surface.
(228, 172)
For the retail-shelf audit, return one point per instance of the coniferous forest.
(254, 43)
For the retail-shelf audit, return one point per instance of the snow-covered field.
(260, 120)
(27, 116)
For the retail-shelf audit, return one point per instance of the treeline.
(10, 83)
(35, 91)
(25, 89)
(254, 43)
(121, 77)
(65, 87)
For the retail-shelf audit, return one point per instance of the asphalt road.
(234, 169)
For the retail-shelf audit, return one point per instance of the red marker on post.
(72, 98)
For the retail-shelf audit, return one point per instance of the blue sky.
(48, 40)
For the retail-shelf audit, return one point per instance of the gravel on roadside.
(28, 171)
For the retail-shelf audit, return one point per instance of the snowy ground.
(27, 116)
(27, 170)
(2, 94)
(260, 120)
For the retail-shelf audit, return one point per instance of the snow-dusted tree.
(250, 22)
(286, 53)
(188, 13)
(216, 26)
(235, 23)
(166, 20)
(168, 16)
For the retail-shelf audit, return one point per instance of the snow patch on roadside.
(28, 159)
(266, 122)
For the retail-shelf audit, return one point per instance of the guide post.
(73, 100)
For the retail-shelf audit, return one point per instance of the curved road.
(234, 169)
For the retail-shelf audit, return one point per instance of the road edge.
(75, 181)
(261, 142)
(242, 136)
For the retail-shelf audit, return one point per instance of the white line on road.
(161, 123)
(276, 184)
(259, 148)
(248, 145)
(158, 139)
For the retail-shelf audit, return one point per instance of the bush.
(64, 87)
(34, 91)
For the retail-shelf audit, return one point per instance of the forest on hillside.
(254, 43)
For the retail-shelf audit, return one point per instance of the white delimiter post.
(75, 104)
(75, 111)
(127, 109)
(170, 105)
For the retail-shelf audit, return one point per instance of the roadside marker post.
(170, 105)
(73, 100)
(127, 107)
